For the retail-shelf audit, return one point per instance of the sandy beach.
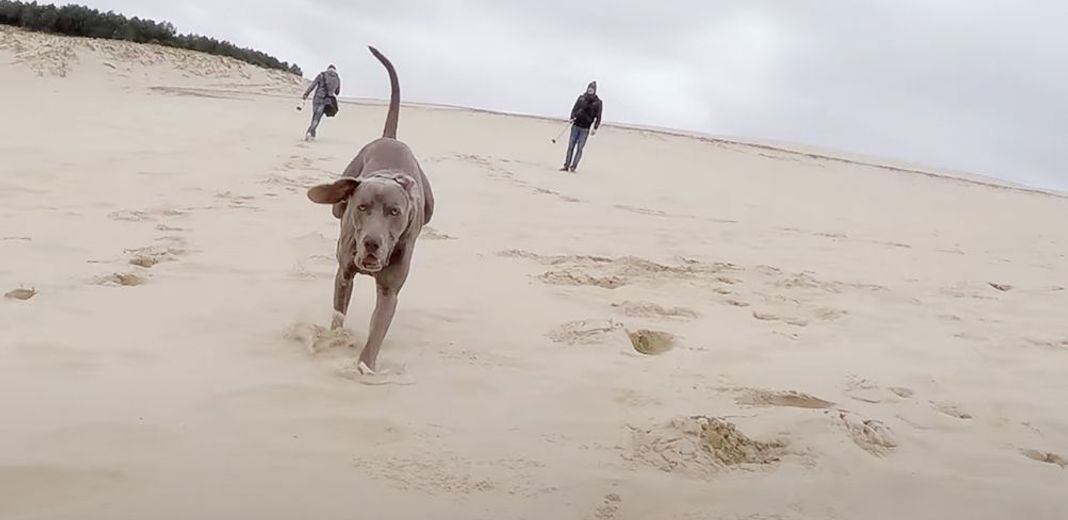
(685, 329)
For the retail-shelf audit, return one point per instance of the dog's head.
(380, 208)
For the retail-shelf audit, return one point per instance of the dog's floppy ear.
(334, 192)
(406, 182)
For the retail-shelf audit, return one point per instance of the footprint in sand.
(429, 233)
(1046, 457)
(898, 245)
(385, 374)
(612, 273)
(806, 281)
(831, 235)
(579, 279)
(146, 261)
(652, 310)
(767, 316)
(609, 507)
(148, 215)
(21, 294)
(317, 339)
(121, 280)
(1048, 343)
(151, 256)
(584, 332)
(236, 201)
(864, 390)
(902, 392)
(757, 397)
(869, 434)
(952, 409)
(868, 391)
(965, 291)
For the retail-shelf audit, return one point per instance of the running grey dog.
(383, 200)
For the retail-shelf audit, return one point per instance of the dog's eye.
(361, 208)
(394, 212)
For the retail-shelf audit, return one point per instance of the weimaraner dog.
(383, 200)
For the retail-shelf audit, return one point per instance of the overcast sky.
(971, 85)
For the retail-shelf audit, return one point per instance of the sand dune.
(686, 329)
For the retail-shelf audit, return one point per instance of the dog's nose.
(371, 244)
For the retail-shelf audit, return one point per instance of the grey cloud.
(973, 86)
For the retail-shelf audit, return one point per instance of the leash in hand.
(558, 136)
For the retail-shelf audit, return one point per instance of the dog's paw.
(363, 374)
(338, 321)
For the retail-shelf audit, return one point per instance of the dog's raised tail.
(394, 96)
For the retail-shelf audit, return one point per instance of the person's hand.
(304, 97)
(593, 132)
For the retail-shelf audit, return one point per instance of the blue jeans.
(574, 146)
(317, 115)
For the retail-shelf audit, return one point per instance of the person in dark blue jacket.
(585, 120)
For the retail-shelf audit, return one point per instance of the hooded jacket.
(587, 109)
(325, 83)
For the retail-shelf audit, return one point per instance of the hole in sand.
(651, 342)
(699, 446)
(730, 446)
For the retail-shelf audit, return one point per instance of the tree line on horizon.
(77, 20)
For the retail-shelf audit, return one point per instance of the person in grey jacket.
(327, 86)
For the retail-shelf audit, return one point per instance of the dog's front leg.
(342, 294)
(381, 318)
